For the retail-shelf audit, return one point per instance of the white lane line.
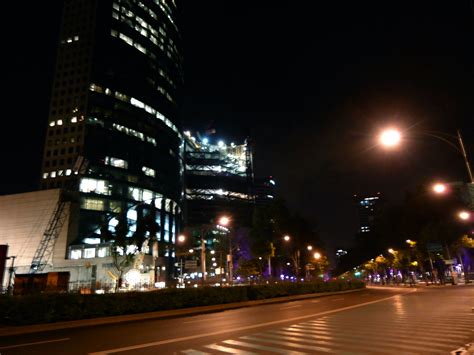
(288, 343)
(288, 307)
(35, 343)
(203, 320)
(247, 327)
(262, 347)
(194, 352)
(226, 349)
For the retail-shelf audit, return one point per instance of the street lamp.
(464, 215)
(286, 238)
(439, 188)
(309, 247)
(317, 256)
(390, 137)
(181, 238)
(391, 251)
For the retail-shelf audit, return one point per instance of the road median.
(162, 314)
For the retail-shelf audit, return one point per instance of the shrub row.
(46, 308)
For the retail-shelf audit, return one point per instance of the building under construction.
(218, 180)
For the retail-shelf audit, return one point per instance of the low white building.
(24, 217)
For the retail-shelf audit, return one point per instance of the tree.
(125, 249)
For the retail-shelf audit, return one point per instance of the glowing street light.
(224, 221)
(191, 251)
(286, 238)
(391, 251)
(464, 215)
(309, 247)
(439, 188)
(317, 256)
(181, 238)
(390, 137)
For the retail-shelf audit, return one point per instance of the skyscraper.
(367, 207)
(115, 103)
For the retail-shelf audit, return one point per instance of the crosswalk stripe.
(262, 347)
(351, 333)
(226, 349)
(433, 328)
(340, 343)
(405, 339)
(289, 344)
(437, 328)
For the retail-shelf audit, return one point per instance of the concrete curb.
(36, 328)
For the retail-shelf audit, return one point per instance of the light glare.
(390, 137)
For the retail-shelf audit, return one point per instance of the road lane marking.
(261, 347)
(194, 352)
(253, 326)
(287, 343)
(203, 320)
(226, 349)
(35, 343)
(288, 307)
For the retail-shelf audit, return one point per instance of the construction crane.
(56, 222)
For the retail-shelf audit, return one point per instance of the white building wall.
(23, 220)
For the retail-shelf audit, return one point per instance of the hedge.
(55, 307)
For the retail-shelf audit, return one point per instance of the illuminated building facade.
(367, 207)
(115, 103)
(219, 180)
(264, 190)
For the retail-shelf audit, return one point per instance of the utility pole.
(229, 258)
(466, 161)
(10, 275)
(203, 256)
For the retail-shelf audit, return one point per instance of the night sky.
(311, 83)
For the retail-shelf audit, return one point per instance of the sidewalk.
(36, 328)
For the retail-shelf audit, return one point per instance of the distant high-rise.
(219, 180)
(367, 206)
(115, 103)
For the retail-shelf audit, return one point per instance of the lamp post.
(225, 221)
(392, 137)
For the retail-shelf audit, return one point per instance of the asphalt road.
(428, 320)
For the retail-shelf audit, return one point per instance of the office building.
(367, 207)
(115, 107)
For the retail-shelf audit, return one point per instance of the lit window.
(74, 119)
(147, 196)
(45, 175)
(68, 172)
(102, 252)
(59, 122)
(132, 215)
(92, 204)
(75, 254)
(76, 38)
(135, 193)
(137, 103)
(52, 124)
(89, 253)
(148, 171)
(93, 185)
(53, 174)
(118, 163)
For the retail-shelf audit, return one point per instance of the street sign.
(190, 264)
(434, 247)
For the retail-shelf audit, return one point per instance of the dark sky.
(311, 82)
